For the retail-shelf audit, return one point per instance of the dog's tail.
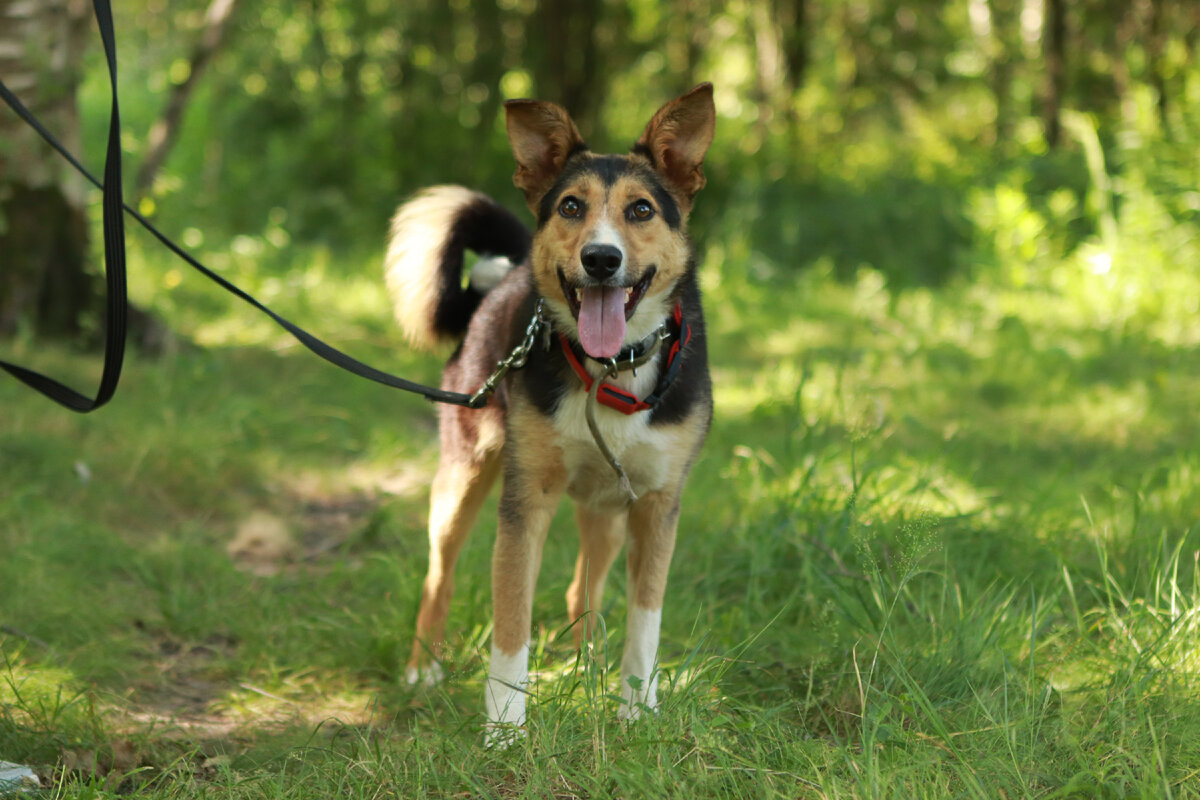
(424, 264)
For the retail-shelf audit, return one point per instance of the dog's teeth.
(628, 294)
(579, 295)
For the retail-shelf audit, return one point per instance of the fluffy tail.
(424, 263)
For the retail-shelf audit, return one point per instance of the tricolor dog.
(608, 398)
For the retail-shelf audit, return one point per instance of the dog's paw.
(502, 735)
(427, 675)
(638, 697)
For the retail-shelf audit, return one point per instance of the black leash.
(114, 242)
(114, 260)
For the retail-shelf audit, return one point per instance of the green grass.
(942, 543)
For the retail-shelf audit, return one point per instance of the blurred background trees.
(922, 139)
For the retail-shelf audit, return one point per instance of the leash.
(117, 302)
(611, 368)
(114, 241)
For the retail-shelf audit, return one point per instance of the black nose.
(601, 261)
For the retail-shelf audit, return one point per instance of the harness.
(675, 330)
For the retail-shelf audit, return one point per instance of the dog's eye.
(641, 211)
(570, 207)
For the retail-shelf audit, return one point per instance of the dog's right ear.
(542, 136)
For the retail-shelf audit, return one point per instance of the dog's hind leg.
(459, 490)
(600, 539)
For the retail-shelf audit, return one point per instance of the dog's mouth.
(601, 311)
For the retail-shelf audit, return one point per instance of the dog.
(609, 396)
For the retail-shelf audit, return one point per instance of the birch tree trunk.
(43, 229)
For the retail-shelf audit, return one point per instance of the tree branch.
(164, 132)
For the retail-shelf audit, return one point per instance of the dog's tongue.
(602, 320)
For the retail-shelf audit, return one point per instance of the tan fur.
(601, 536)
(527, 505)
(652, 526)
(458, 491)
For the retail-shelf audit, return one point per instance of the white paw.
(639, 672)
(429, 675)
(505, 701)
(502, 735)
(638, 696)
(504, 696)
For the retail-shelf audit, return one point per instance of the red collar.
(680, 333)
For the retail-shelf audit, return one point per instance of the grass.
(942, 543)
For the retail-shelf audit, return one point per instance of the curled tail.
(424, 262)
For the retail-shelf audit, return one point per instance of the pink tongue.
(602, 320)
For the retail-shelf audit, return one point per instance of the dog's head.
(611, 243)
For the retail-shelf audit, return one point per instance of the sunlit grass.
(941, 543)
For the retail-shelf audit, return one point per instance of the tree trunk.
(1005, 54)
(769, 65)
(794, 22)
(43, 228)
(1124, 37)
(1054, 46)
(569, 70)
(1155, 50)
(685, 38)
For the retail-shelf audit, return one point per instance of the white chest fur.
(643, 450)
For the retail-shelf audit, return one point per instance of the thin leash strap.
(590, 414)
(612, 367)
(114, 259)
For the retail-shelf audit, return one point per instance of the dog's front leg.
(532, 489)
(653, 520)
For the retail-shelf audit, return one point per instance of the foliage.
(873, 117)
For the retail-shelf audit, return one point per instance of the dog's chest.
(644, 450)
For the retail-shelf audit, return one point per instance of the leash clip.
(517, 357)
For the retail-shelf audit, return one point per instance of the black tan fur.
(611, 263)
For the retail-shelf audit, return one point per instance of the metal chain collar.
(539, 329)
(516, 359)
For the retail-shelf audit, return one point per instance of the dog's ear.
(678, 136)
(542, 136)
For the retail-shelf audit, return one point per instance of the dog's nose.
(601, 261)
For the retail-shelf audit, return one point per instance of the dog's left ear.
(678, 137)
(542, 136)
